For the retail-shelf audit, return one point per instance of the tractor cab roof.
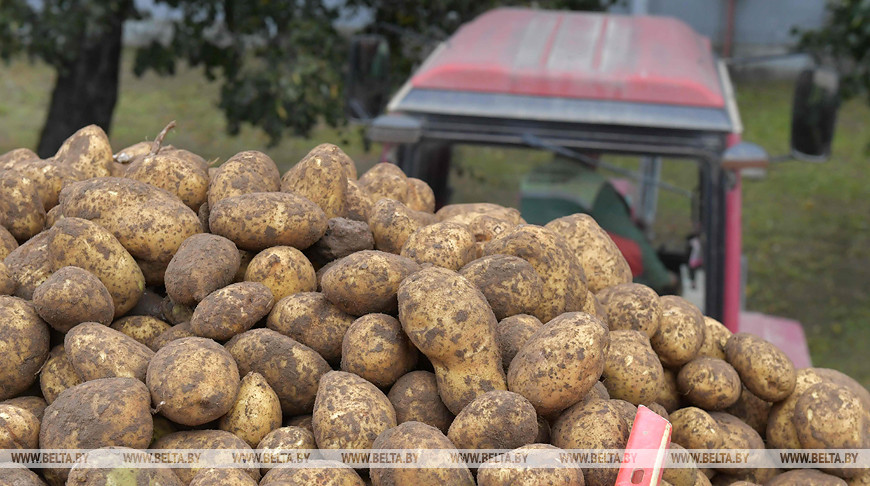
(577, 68)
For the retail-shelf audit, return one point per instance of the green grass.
(806, 226)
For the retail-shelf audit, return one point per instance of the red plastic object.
(646, 450)
(642, 59)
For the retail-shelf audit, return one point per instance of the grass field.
(806, 226)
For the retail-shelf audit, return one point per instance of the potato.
(598, 392)
(52, 216)
(256, 411)
(751, 409)
(202, 264)
(385, 181)
(173, 173)
(495, 420)
(106, 466)
(564, 286)
(781, 432)
(449, 321)
(602, 262)
(193, 381)
(24, 343)
(486, 228)
(14, 156)
(7, 243)
(19, 428)
(468, 212)
(293, 370)
(81, 243)
(309, 318)
(829, 416)
(48, 177)
(763, 368)
(258, 221)
(420, 196)
(144, 329)
(21, 209)
(592, 424)
(303, 421)
(97, 413)
(349, 412)
(709, 383)
(57, 374)
(496, 473)
(681, 331)
(149, 222)
(448, 245)
(415, 398)
(34, 405)
(7, 281)
(844, 380)
(337, 154)
(512, 333)
(739, 435)
(392, 223)
(284, 440)
(669, 396)
(174, 313)
(188, 156)
(416, 435)
(154, 272)
(805, 477)
(321, 178)
(97, 351)
(632, 371)
(575, 345)
(326, 473)
(244, 173)
(72, 296)
(284, 270)
(16, 475)
(376, 348)
(231, 310)
(716, 337)
(177, 331)
(510, 284)
(30, 264)
(88, 151)
(358, 202)
(222, 477)
(214, 440)
(694, 428)
(366, 282)
(678, 476)
(342, 238)
(632, 306)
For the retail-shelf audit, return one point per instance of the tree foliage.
(845, 42)
(279, 62)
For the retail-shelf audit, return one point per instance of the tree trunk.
(86, 89)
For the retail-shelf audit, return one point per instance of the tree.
(280, 61)
(845, 42)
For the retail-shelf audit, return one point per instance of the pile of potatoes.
(149, 300)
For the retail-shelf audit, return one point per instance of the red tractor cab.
(585, 87)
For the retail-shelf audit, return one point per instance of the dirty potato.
(781, 432)
(681, 331)
(144, 329)
(21, 209)
(292, 369)
(19, 428)
(420, 196)
(763, 368)
(358, 203)
(202, 264)
(416, 435)
(576, 345)
(694, 428)
(709, 383)
(385, 181)
(98, 351)
(751, 409)
(244, 173)
(343, 237)
(57, 374)
(448, 245)
(496, 473)
(256, 411)
(193, 381)
(376, 348)
(173, 173)
(632, 371)
(329, 473)
(231, 310)
(215, 440)
(392, 223)
(495, 420)
(512, 333)
(283, 440)
(632, 306)
(261, 220)
(415, 398)
(309, 318)
(349, 412)
(284, 270)
(177, 331)
(510, 284)
(71, 296)
(24, 341)
(830, 416)
(602, 262)
(321, 178)
(366, 282)
(449, 321)
(716, 337)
